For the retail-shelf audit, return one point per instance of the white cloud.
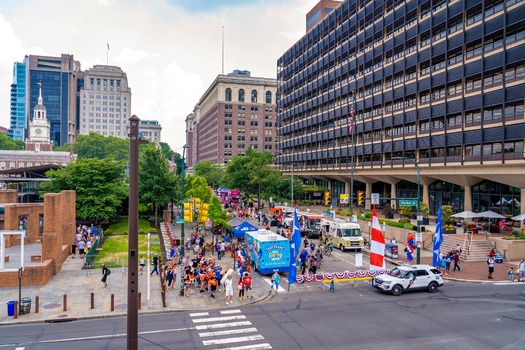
(169, 56)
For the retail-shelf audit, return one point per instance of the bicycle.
(327, 250)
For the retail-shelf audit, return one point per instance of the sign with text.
(374, 199)
(407, 202)
(343, 198)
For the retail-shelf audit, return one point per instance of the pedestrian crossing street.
(229, 330)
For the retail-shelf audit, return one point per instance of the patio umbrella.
(491, 215)
(519, 217)
(465, 215)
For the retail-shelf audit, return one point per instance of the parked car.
(409, 277)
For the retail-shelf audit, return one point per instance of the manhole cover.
(51, 306)
(121, 306)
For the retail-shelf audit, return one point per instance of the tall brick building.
(235, 113)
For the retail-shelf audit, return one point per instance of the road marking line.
(197, 314)
(506, 283)
(225, 312)
(216, 319)
(251, 347)
(233, 340)
(228, 332)
(223, 325)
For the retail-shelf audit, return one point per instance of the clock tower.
(39, 128)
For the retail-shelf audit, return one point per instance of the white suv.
(409, 277)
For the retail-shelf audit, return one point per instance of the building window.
(254, 123)
(240, 138)
(268, 97)
(228, 97)
(228, 106)
(228, 122)
(254, 96)
(241, 95)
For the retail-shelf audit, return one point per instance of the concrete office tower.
(441, 83)
(150, 129)
(59, 76)
(105, 102)
(235, 113)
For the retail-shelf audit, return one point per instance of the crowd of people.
(84, 239)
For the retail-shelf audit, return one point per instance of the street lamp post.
(418, 249)
(182, 241)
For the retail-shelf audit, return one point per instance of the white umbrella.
(491, 215)
(466, 215)
(519, 217)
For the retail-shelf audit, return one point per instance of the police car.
(409, 277)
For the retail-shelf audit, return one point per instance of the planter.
(449, 231)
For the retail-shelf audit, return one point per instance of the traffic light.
(188, 212)
(360, 198)
(327, 198)
(203, 212)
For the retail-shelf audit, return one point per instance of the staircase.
(479, 249)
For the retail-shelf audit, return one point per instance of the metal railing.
(90, 256)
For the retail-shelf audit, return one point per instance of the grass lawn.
(114, 252)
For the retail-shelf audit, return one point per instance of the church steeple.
(39, 128)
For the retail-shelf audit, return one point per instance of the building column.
(329, 183)
(347, 190)
(368, 194)
(393, 194)
(426, 194)
(468, 198)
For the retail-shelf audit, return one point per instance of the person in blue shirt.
(275, 281)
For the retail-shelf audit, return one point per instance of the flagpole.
(107, 55)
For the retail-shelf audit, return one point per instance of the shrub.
(108, 232)
(368, 216)
(404, 220)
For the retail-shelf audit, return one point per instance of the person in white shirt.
(229, 290)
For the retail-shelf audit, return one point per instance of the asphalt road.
(458, 316)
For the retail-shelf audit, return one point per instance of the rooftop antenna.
(222, 50)
(107, 55)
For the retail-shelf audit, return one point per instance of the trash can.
(25, 306)
(11, 308)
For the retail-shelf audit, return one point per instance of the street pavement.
(77, 285)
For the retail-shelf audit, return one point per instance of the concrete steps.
(479, 249)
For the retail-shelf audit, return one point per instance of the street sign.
(179, 221)
(375, 199)
(419, 237)
(343, 198)
(407, 202)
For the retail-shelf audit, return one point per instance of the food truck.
(345, 235)
(267, 251)
(310, 224)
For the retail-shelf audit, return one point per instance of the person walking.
(74, 248)
(275, 281)
(228, 288)
(490, 263)
(248, 285)
(521, 271)
(240, 286)
(510, 274)
(456, 261)
(142, 263)
(155, 264)
(105, 273)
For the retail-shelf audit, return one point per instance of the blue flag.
(295, 244)
(438, 238)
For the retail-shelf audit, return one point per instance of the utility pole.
(133, 224)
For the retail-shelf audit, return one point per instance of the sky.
(169, 49)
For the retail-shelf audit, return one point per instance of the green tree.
(157, 184)
(260, 174)
(166, 150)
(7, 143)
(213, 173)
(99, 185)
(98, 146)
(199, 189)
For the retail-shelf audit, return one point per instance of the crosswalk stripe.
(217, 319)
(228, 332)
(223, 325)
(233, 340)
(197, 314)
(226, 312)
(269, 281)
(261, 346)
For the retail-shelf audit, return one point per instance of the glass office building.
(18, 120)
(438, 82)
